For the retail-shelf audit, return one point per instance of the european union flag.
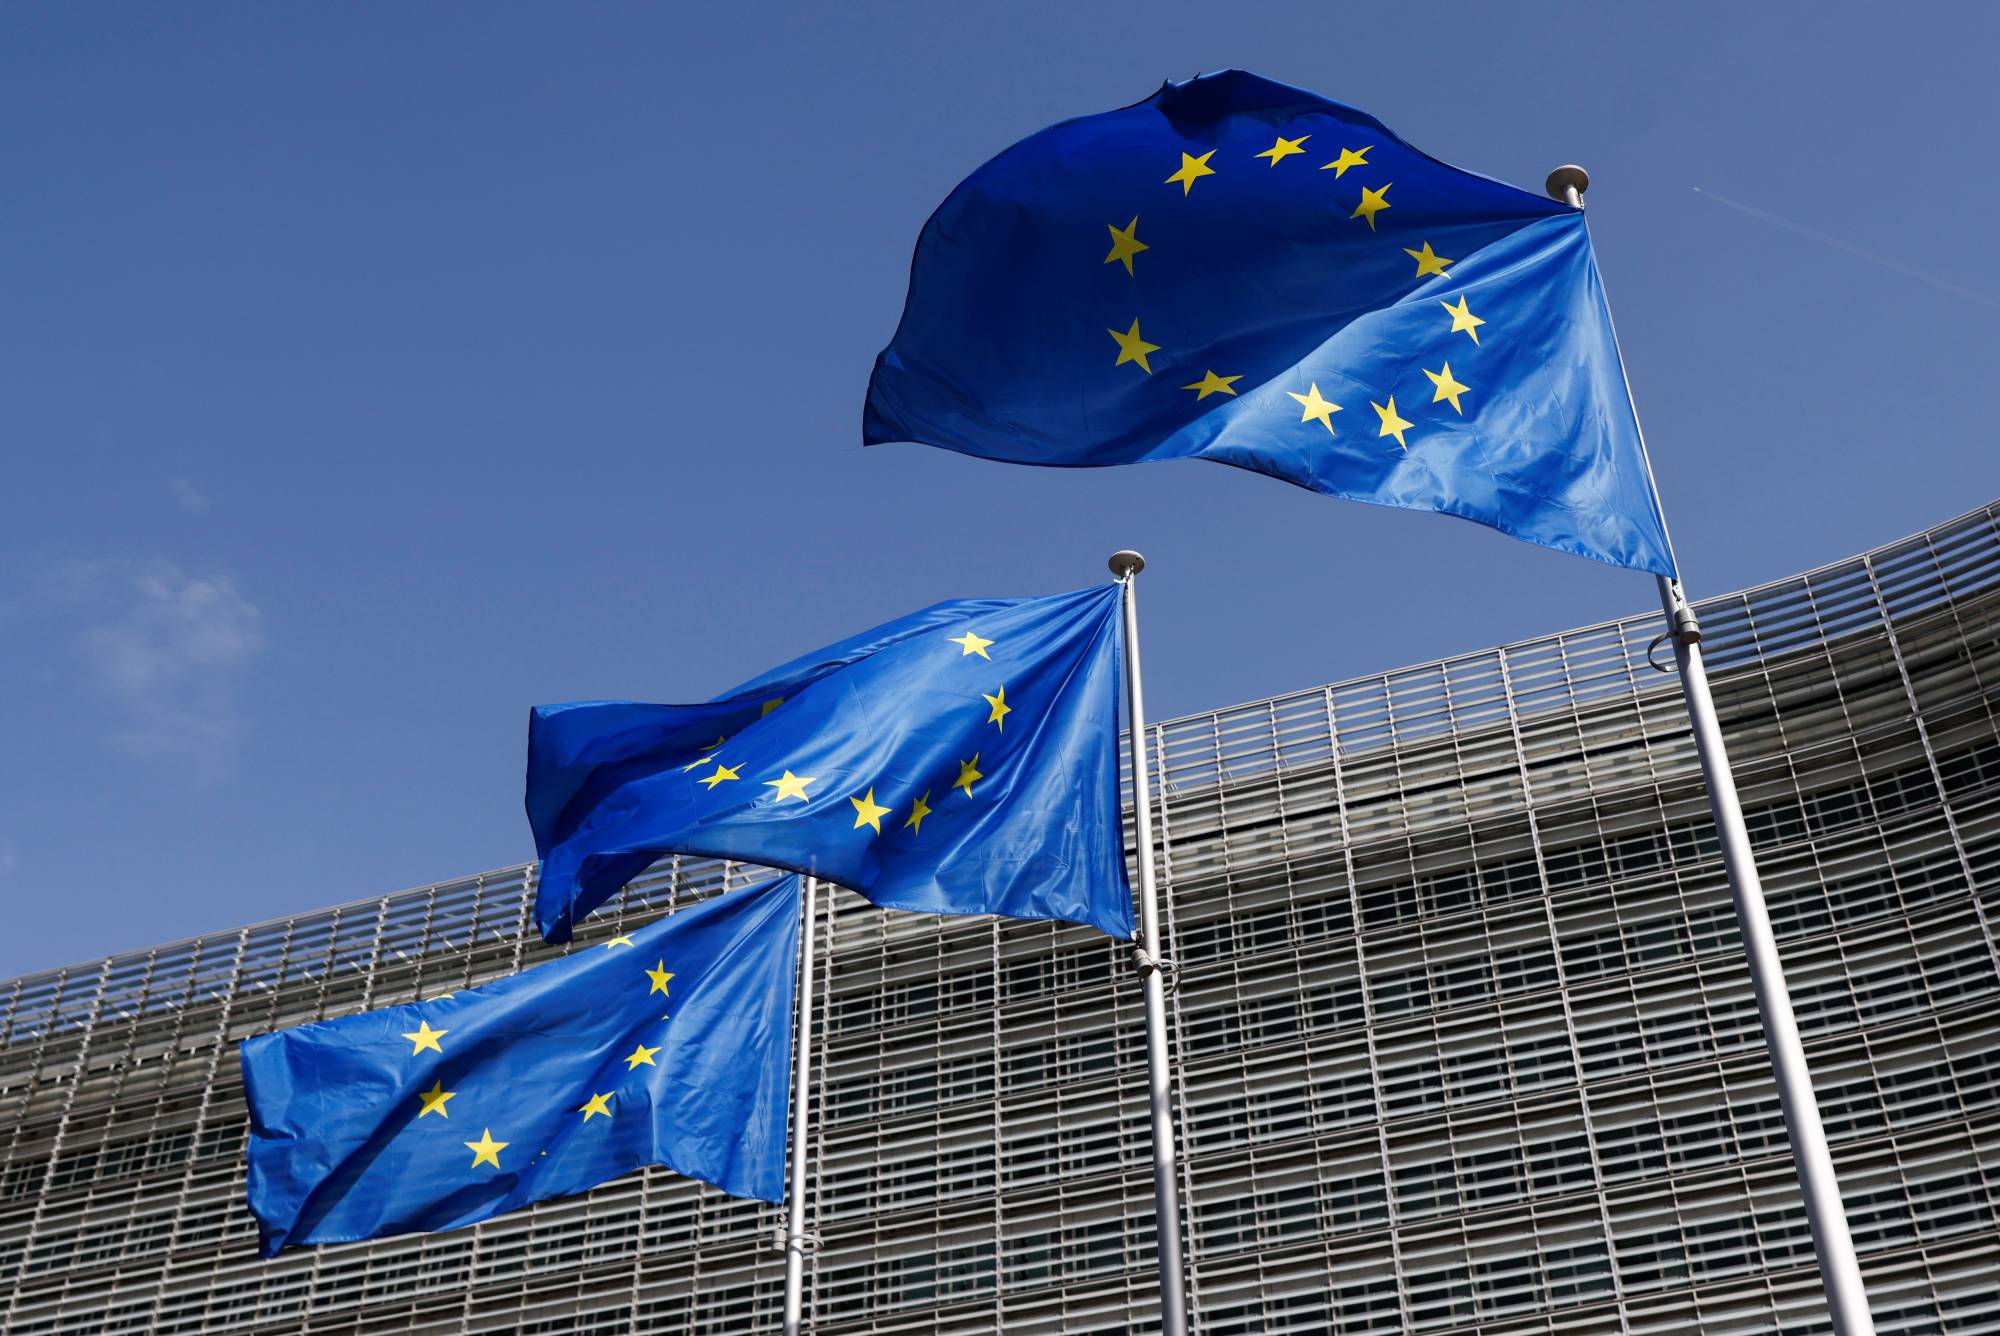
(671, 1045)
(1242, 271)
(960, 760)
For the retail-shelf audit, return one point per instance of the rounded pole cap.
(1566, 177)
(1126, 562)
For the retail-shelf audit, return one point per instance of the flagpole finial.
(1567, 183)
(1126, 562)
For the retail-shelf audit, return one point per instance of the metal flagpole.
(1839, 1271)
(1166, 1191)
(797, 1241)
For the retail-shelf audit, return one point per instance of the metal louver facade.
(1464, 1040)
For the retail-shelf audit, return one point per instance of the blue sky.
(368, 375)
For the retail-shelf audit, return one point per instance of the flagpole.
(1166, 1191)
(1840, 1271)
(797, 1241)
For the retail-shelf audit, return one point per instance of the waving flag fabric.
(961, 760)
(1241, 271)
(670, 1045)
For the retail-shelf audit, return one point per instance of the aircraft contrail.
(1942, 284)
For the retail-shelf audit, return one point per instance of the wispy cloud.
(188, 496)
(167, 649)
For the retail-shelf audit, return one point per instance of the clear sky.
(368, 375)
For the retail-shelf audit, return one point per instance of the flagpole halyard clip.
(1169, 972)
(807, 1243)
(1686, 629)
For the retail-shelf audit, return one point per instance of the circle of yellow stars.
(597, 1103)
(1135, 349)
(869, 812)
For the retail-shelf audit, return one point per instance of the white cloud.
(168, 650)
(188, 496)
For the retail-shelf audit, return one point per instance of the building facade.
(1464, 1042)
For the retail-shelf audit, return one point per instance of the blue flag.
(1241, 271)
(671, 1045)
(961, 760)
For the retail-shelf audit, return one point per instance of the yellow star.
(598, 1104)
(1349, 157)
(722, 772)
(1212, 384)
(1001, 709)
(1316, 409)
(1192, 170)
(1132, 348)
(790, 785)
(867, 812)
(769, 706)
(425, 1038)
(641, 1056)
(919, 809)
(486, 1150)
(619, 941)
(1392, 425)
(967, 772)
(972, 643)
(659, 974)
(1428, 260)
(1284, 148)
(1447, 388)
(704, 760)
(1372, 203)
(1125, 244)
(434, 1099)
(1462, 318)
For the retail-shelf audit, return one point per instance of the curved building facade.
(1464, 1041)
